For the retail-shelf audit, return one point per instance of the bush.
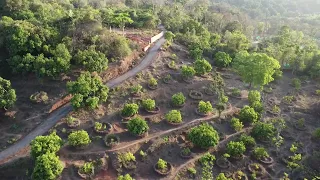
(162, 164)
(92, 60)
(207, 158)
(178, 99)
(202, 66)
(130, 110)
(125, 177)
(39, 97)
(254, 96)
(79, 138)
(149, 104)
(248, 141)
(318, 92)
(192, 171)
(221, 176)
(45, 144)
(87, 168)
(288, 99)
(236, 149)
(7, 94)
(125, 158)
(187, 71)
(153, 82)
(296, 83)
(174, 116)
(136, 89)
(316, 133)
(248, 115)
(260, 153)
(276, 109)
(222, 59)
(236, 124)
(172, 65)
(205, 107)
(257, 106)
(236, 92)
(99, 126)
(204, 136)
(47, 166)
(263, 131)
(137, 126)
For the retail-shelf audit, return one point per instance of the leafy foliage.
(87, 168)
(149, 104)
(174, 116)
(88, 91)
(221, 176)
(204, 136)
(178, 99)
(207, 158)
(205, 107)
(264, 131)
(136, 89)
(137, 126)
(248, 115)
(260, 153)
(222, 59)
(257, 106)
(92, 60)
(248, 141)
(236, 124)
(254, 96)
(202, 66)
(45, 144)
(125, 177)
(153, 82)
(130, 110)
(236, 149)
(187, 71)
(79, 138)
(7, 94)
(47, 166)
(162, 164)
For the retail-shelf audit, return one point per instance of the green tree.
(178, 99)
(125, 177)
(92, 60)
(256, 69)
(235, 41)
(204, 136)
(221, 176)
(45, 144)
(138, 126)
(236, 149)
(174, 116)
(79, 138)
(47, 166)
(254, 96)
(236, 124)
(122, 19)
(205, 107)
(248, 115)
(222, 59)
(202, 66)
(88, 91)
(187, 71)
(149, 104)
(130, 109)
(7, 94)
(263, 131)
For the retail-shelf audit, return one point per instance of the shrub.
(192, 171)
(207, 158)
(202, 66)
(254, 96)
(236, 149)
(316, 133)
(162, 164)
(296, 83)
(236, 92)
(99, 126)
(137, 126)
(186, 151)
(260, 153)
(39, 97)
(205, 107)
(142, 153)
(223, 99)
(221, 176)
(236, 124)
(288, 99)
(125, 158)
(222, 59)
(7, 94)
(149, 104)
(125, 177)
(172, 65)
(130, 110)
(248, 115)
(79, 138)
(318, 92)
(263, 131)
(153, 82)
(136, 89)
(257, 106)
(248, 141)
(47, 166)
(174, 116)
(187, 71)
(70, 120)
(204, 136)
(276, 109)
(45, 144)
(87, 168)
(169, 36)
(178, 99)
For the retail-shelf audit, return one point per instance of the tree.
(248, 115)
(169, 36)
(92, 60)
(254, 96)
(256, 69)
(174, 116)
(204, 136)
(121, 19)
(79, 138)
(187, 71)
(45, 144)
(88, 91)
(221, 176)
(205, 107)
(257, 106)
(236, 124)
(263, 131)
(137, 126)
(202, 66)
(47, 166)
(149, 104)
(248, 141)
(125, 177)
(130, 110)
(260, 153)
(7, 94)
(178, 99)
(196, 52)
(236, 149)
(235, 41)
(222, 59)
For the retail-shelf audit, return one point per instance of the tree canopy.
(7, 94)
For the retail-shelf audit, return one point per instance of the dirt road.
(14, 151)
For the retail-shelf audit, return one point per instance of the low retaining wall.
(153, 39)
(60, 103)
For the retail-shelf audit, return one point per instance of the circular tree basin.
(164, 172)
(202, 114)
(130, 165)
(187, 80)
(155, 111)
(173, 123)
(74, 124)
(209, 92)
(256, 168)
(266, 160)
(126, 117)
(196, 95)
(139, 94)
(152, 87)
(178, 106)
(108, 129)
(237, 176)
(85, 176)
(223, 163)
(111, 140)
(142, 135)
(299, 126)
(185, 156)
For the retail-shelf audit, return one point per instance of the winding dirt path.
(18, 149)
